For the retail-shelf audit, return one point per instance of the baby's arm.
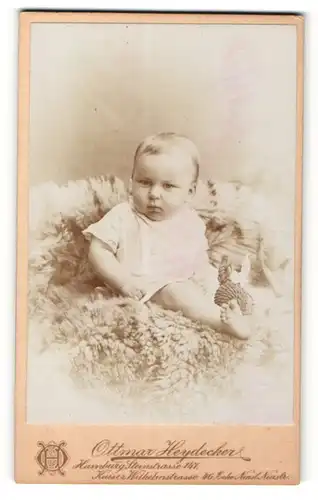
(110, 270)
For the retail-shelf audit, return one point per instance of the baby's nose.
(155, 192)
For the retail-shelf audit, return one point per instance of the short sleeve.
(200, 245)
(202, 239)
(198, 230)
(109, 228)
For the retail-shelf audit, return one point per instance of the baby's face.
(162, 184)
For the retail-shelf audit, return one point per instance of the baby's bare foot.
(235, 323)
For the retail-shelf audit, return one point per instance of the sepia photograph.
(162, 179)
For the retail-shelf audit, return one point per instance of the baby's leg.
(188, 298)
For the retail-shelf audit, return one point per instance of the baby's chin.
(156, 214)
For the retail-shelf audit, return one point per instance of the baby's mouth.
(154, 208)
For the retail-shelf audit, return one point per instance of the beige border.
(270, 448)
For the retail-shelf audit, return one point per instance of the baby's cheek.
(174, 200)
(139, 198)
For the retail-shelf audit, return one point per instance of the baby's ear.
(130, 186)
(193, 188)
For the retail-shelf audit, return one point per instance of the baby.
(153, 247)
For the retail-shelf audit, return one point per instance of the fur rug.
(110, 340)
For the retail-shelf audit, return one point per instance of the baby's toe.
(224, 312)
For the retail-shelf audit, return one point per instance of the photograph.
(162, 174)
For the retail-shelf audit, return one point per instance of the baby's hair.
(165, 142)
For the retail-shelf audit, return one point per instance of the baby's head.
(165, 174)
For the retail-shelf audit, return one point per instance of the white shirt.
(155, 252)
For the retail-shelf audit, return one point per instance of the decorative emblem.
(52, 457)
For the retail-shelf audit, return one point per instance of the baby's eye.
(144, 182)
(167, 185)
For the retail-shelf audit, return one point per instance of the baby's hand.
(131, 291)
